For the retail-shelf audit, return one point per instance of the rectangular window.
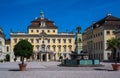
(70, 48)
(54, 31)
(108, 32)
(42, 30)
(43, 42)
(31, 30)
(59, 49)
(96, 46)
(32, 41)
(64, 48)
(54, 48)
(15, 40)
(53, 40)
(59, 41)
(7, 49)
(48, 48)
(64, 40)
(37, 40)
(69, 40)
(37, 47)
(113, 32)
(48, 40)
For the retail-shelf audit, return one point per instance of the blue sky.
(67, 14)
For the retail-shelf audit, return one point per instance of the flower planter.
(116, 67)
(22, 67)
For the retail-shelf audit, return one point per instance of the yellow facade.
(43, 35)
(95, 38)
(34, 43)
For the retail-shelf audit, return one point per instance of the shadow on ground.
(64, 65)
(13, 70)
(101, 69)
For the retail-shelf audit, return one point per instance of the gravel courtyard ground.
(53, 70)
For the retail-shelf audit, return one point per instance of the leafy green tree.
(113, 44)
(23, 49)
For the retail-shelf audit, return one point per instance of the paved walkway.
(52, 70)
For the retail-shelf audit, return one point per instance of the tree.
(23, 49)
(113, 44)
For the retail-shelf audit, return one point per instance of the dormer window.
(42, 23)
(31, 30)
(97, 25)
(48, 31)
(37, 31)
(54, 31)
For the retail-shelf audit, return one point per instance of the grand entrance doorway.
(44, 57)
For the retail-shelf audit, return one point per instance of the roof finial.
(109, 14)
(42, 15)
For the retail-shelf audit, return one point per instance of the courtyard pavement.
(53, 70)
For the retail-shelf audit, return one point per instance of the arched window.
(7, 49)
(54, 48)
(43, 48)
(70, 48)
(37, 47)
(48, 47)
(64, 48)
(59, 48)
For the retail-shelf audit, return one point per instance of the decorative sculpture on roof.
(78, 29)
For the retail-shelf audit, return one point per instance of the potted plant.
(23, 49)
(113, 45)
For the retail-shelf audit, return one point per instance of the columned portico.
(44, 56)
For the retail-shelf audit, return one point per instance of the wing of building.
(95, 37)
(48, 43)
(2, 45)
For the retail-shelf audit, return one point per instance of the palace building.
(48, 44)
(2, 45)
(95, 37)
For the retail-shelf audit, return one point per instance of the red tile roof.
(37, 22)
